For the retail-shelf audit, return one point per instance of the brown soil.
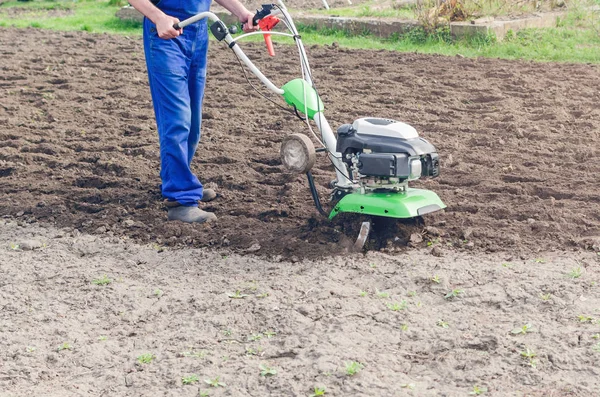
(519, 143)
(78, 153)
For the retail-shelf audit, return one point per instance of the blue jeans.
(177, 75)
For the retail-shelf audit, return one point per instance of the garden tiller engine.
(374, 158)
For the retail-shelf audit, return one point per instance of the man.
(176, 62)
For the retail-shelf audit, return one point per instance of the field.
(100, 296)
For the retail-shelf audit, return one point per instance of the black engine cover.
(349, 139)
(387, 156)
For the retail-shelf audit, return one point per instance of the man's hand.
(247, 23)
(164, 23)
(164, 27)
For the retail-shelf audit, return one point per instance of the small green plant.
(252, 285)
(104, 280)
(318, 391)
(263, 295)
(193, 353)
(432, 242)
(158, 248)
(190, 379)
(596, 336)
(382, 294)
(442, 323)
(266, 370)
(373, 266)
(353, 367)
(453, 294)
(158, 293)
(404, 327)
(412, 294)
(530, 356)
(397, 306)
(227, 332)
(203, 393)
(585, 319)
(521, 330)
(410, 386)
(436, 279)
(363, 293)
(253, 352)
(576, 272)
(255, 337)
(545, 297)
(146, 358)
(477, 391)
(30, 349)
(269, 334)
(14, 246)
(65, 346)
(236, 295)
(539, 260)
(102, 338)
(507, 265)
(215, 382)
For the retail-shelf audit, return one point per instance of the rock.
(128, 222)
(437, 251)
(101, 229)
(416, 238)
(254, 248)
(433, 231)
(468, 232)
(30, 245)
(539, 226)
(210, 114)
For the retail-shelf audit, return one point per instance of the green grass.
(575, 39)
(68, 15)
(565, 43)
(368, 9)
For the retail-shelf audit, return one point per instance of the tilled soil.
(519, 143)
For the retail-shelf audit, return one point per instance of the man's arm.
(164, 23)
(238, 9)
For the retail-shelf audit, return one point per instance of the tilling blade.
(362, 236)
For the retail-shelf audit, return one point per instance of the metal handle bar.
(238, 51)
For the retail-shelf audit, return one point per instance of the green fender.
(409, 204)
(296, 91)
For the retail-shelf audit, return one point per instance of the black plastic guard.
(219, 30)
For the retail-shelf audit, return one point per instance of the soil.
(201, 312)
(519, 143)
(271, 284)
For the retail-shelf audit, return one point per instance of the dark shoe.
(190, 215)
(208, 195)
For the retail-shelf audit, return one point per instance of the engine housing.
(384, 148)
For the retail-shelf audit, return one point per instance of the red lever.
(266, 24)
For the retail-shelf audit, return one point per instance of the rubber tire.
(307, 147)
